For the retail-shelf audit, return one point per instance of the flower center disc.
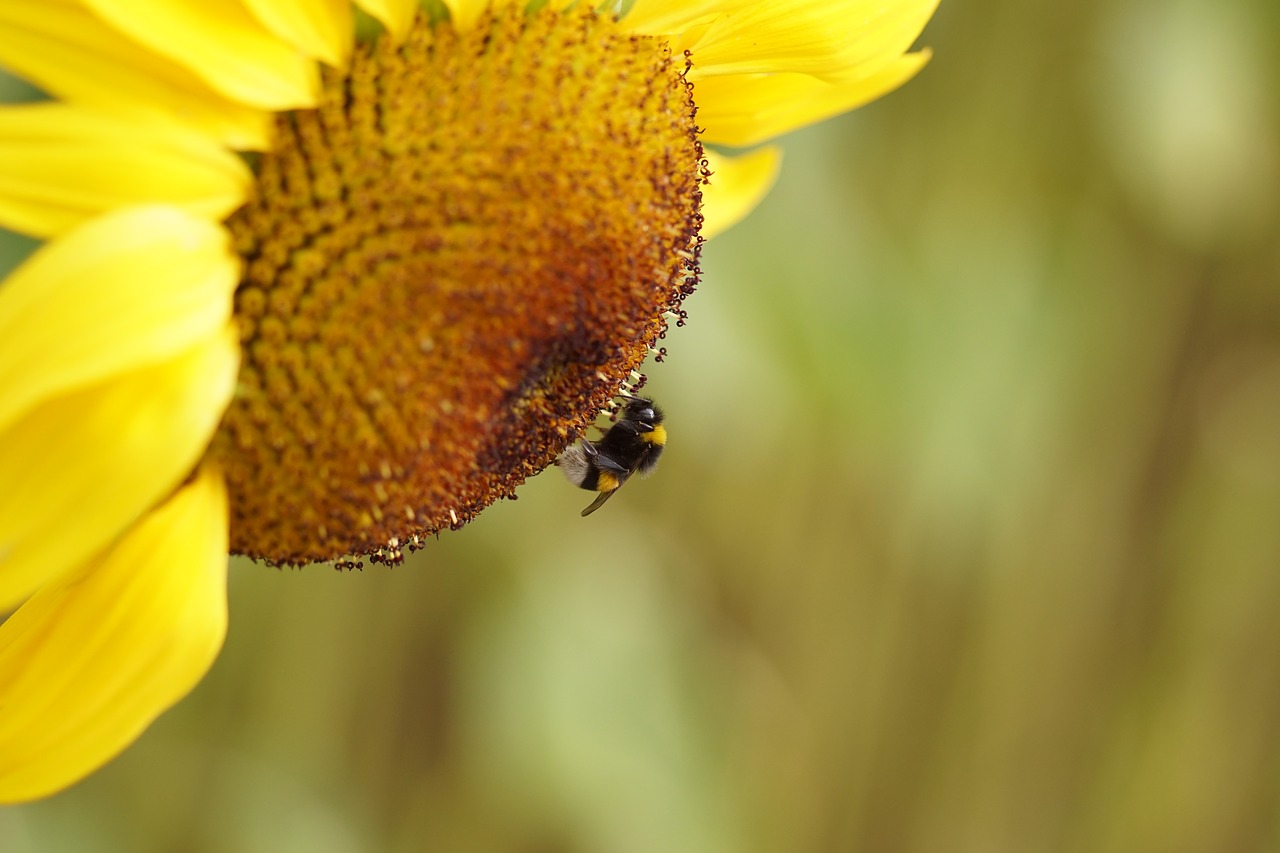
(451, 265)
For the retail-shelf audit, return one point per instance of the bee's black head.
(642, 411)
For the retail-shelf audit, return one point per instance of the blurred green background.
(967, 538)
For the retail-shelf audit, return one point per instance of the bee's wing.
(602, 461)
(623, 475)
(608, 463)
(598, 502)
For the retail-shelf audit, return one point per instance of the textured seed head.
(451, 265)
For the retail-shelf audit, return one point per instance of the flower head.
(319, 297)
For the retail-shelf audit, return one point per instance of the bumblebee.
(632, 445)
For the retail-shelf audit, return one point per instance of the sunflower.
(305, 296)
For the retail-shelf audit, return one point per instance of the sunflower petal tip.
(736, 186)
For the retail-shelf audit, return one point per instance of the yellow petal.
(395, 15)
(80, 468)
(661, 17)
(221, 43)
(322, 29)
(830, 40)
(60, 165)
(737, 185)
(120, 292)
(88, 662)
(465, 12)
(745, 109)
(72, 55)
